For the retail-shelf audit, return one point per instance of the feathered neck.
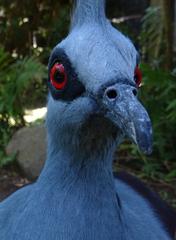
(71, 151)
(87, 12)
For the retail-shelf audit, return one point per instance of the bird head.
(94, 77)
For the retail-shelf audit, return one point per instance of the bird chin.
(101, 126)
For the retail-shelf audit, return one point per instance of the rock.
(30, 145)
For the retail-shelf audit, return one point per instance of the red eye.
(58, 76)
(138, 76)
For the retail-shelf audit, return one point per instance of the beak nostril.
(135, 92)
(111, 94)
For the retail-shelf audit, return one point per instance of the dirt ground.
(11, 179)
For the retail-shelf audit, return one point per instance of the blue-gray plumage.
(92, 105)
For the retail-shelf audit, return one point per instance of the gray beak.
(125, 111)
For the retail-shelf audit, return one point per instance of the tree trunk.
(169, 29)
(156, 3)
(167, 8)
(174, 29)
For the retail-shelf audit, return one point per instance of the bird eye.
(58, 76)
(138, 76)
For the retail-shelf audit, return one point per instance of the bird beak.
(124, 109)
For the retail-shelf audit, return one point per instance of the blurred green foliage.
(28, 32)
(17, 79)
(152, 35)
(158, 94)
(33, 27)
(159, 91)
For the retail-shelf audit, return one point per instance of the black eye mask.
(72, 88)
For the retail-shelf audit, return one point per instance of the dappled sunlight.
(35, 114)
